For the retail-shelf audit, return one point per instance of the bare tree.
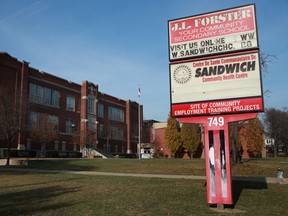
(277, 125)
(234, 128)
(87, 138)
(114, 130)
(265, 61)
(108, 132)
(44, 131)
(75, 138)
(91, 138)
(12, 107)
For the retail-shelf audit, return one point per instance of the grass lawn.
(266, 167)
(25, 193)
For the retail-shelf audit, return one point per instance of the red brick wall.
(18, 75)
(160, 142)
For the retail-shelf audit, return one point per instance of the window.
(43, 120)
(33, 119)
(55, 96)
(74, 147)
(70, 103)
(79, 104)
(53, 122)
(100, 110)
(115, 114)
(56, 145)
(92, 124)
(28, 144)
(69, 124)
(63, 146)
(100, 130)
(116, 133)
(47, 95)
(91, 105)
(123, 149)
(43, 95)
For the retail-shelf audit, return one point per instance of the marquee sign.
(223, 31)
(215, 79)
(222, 85)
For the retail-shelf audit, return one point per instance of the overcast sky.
(119, 44)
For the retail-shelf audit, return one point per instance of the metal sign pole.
(217, 154)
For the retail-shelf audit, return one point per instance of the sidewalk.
(268, 180)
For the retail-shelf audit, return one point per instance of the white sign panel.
(233, 82)
(269, 141)
(224, 31)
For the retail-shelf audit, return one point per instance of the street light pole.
(139, 124)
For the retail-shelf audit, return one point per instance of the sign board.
(215, 70)
(269, 141)
(223, 31)
(222, 85)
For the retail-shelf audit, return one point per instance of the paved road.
(268, 180)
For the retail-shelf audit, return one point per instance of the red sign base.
(217, 154)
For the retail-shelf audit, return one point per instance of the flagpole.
(139, 124)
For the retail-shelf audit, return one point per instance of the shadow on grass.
(13, 174)
(66, 164)
(32, 201)
(242, 184)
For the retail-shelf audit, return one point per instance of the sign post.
(217, 154)
(215, 78)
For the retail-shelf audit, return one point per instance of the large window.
(111, 132)
(91, 105)
(100, 110)
(43, 95)
(53, 122)
(70, 103)
(69, 125)
(115, 114)
(43, 120)
(116, 133)
(101, 131)
(33, 119)
(92, 124)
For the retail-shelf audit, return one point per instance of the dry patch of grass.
(266, 167)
